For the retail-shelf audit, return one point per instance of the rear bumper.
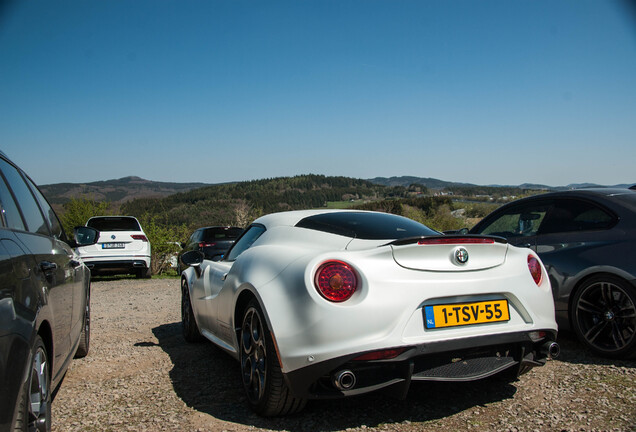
(117, 266)
(457, 360)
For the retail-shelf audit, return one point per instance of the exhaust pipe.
(344, 380)
(551, 349)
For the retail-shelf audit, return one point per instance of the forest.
(172, 219)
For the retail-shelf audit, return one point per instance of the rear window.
(366, 226)
(114, 223)
(221, 233)
(570, 215)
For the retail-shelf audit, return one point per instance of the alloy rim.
(185, 306)
(253, 356)
(87, 317)
(606, 316)
(39, 393)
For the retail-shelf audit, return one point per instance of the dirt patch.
(141, 375)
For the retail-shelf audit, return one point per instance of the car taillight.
(455, 240)
(336, 281)
(204, 244)
(381, 355)
(139, 237)
(535, 269)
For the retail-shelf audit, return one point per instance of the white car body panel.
(395, 283)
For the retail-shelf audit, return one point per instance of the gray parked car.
(587, 240)
(213, 241)
(44, 301)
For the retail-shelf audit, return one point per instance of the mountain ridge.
(131, 187)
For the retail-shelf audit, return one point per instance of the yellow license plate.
(459, 314)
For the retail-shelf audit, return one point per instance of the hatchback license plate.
(459, 314)
(113, 245)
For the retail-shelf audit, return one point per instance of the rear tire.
(190, 329)
(85, 336)
(144, 273)
(266, 390)
(603, 316)
(34, 403)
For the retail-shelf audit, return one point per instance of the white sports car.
(321, 304)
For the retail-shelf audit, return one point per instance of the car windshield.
(366, 226)
(114, 224)
(221, 233)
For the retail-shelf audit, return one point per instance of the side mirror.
(85, 236)
(192, 258)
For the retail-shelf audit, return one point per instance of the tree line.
(172, 219)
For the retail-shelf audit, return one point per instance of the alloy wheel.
(39, 398)
(253, 355)
(605, 315)
(185, 306)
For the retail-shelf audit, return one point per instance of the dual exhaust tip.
(346, 380)
(551, 349)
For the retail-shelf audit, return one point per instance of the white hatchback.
(122, 248)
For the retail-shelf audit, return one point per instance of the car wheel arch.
(46, 333)
(583, 280)
(240, 305)
(245, 295)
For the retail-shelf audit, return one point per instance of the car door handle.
(224, 276)
(47, 266)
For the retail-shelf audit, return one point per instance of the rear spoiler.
(449, 239)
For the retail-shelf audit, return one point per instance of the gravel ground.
(141, 375)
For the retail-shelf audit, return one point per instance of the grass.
(341, 204)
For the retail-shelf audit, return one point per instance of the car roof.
(591, 192)
(607, 193)
(291, 218)
(614, 198)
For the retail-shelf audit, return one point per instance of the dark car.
(587, 240)
(44, 301)
(213, 241)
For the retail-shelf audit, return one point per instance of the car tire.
(190, 329)
(263, 381)
(144, 273)
(85, 336)
(34, 402)
(603, 315)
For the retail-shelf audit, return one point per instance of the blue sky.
(486, 92)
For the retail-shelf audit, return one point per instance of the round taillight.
(336, 281)
(535, 269)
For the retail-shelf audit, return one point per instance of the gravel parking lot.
(141, 375)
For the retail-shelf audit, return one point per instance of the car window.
(245, 241)
(49, 214)
(10, 212)
(221, 234)
(517, 221)
(366, 226)
(114, 223)
(576, 215)
(30, 210)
